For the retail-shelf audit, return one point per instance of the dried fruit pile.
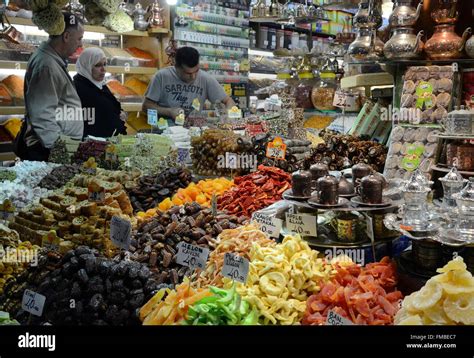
(156, 240)
(201, 193)
(172, 309)
(151, 190)
(446, 299)
(59, 176)
(280, 279)
(363, 295)
(238, 241)
(255, 191)
(88, 289)
(14, 289)
(340, 151)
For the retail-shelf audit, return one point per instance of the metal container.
(404, 44)
(445, 43)
(328, 190)
(317, 171)
(370, 189)
(359, 171)
(368, 15)
(427, 254)
(345, 187)
(301, 183)
(465, 202)
(415, 194)
(459, 121)
(366, 46)
(404, 14)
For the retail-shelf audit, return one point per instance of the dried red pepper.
(255, 191)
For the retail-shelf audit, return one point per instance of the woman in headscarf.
(103, 116)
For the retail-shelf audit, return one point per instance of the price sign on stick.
(33, 303)
(276, 149)
(301, 224)
(120, 232)
(50, 241)
(235, 267)
(269, 225)
(192, 256)
(335, 319)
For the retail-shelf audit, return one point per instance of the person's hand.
(175, 112)
(123, 116)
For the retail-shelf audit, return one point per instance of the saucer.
(288, 195)
(358, 201)
(314, 203)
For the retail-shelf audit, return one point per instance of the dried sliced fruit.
(460, 308)
(428, 296)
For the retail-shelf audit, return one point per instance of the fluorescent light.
(260, 53)
(171, 2)
(34, 31)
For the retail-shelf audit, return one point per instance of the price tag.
(50, 241)
(152, 117)
(95, 193)
(335, 319)
(344, 100)
(276, 149)
(196, 104)
(234, 113)
(111, 153)
(120, 232)
(71, 209)
(162, 123)
(235, 267)
(180, 119)
(270, 226)
(33, 303)
(126, 161)
(302, 224)
(192, 256)
(90, 166)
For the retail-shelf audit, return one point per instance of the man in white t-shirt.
(173, 89)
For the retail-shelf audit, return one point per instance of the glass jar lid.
(452, 176)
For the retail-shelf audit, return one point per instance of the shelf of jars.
(195, 13)
(98, 29)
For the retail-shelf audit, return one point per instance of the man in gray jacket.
(53, 108)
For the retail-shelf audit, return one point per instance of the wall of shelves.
(219, 31)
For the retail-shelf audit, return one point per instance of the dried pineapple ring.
(437, 315)
(458, 282)
(460, 308)
(428, 296)
(273, 283)
(407, 303)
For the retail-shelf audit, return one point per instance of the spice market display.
(309, 172)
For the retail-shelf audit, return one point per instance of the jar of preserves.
(322, 95)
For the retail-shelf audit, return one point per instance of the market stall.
(339, 193)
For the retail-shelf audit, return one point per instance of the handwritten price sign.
(276, 149)
(235, 267)
(33, 303)
(192, 256)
